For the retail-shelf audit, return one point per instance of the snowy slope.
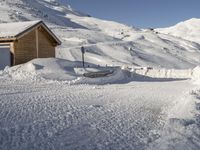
(189, 30)
(106, 42)
(49, 104)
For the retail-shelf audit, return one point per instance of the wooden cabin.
(23, 41)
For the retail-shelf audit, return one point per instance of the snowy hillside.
(106, 42)
(57, 104)
(189, 30)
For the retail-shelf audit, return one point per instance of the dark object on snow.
(151, 29)
(83, 52)
(98, 74)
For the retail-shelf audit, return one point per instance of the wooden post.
(37, 43)
(83, 52)
(83, 60)
(12, 50)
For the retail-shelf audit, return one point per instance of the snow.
(53, 114)
(150, 101)
(129, 46)
(72, 72)
(13, 29)
(188, 30)
(166, 73)
(52, 69)
(61, 109)
(182, 131)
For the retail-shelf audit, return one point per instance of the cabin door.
(4, 57)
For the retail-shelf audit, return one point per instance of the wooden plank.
(12, 53)
(5, 43)
(37, 42)
(46, 48)
(7, 40)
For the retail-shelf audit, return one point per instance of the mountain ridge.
(189, 30)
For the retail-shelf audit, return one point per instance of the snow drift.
(63, 71)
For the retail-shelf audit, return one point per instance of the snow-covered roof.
(16, 29)
(9, 30)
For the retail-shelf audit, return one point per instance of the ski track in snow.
(49, 115)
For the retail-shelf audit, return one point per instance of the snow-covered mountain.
(106, 42)
(189, 30)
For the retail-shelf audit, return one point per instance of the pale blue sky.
(140, 13)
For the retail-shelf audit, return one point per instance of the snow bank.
(196, 75)
(62, 71)
(42, 69)
(19, 73)
(182, 129)
(164, 73)
(193, 74)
